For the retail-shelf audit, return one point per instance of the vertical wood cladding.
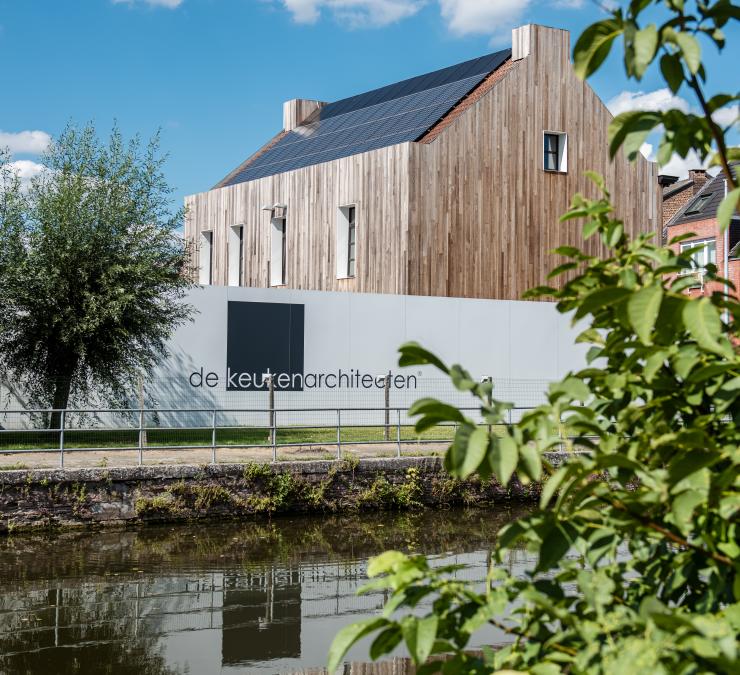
(485, 213)
(470, 214)
(376, 183)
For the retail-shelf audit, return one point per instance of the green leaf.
(630, 129)
(436, 409)
(476, 452)
(413, 354)
(727, 208)
(348, 636)
(645, 46)
(690, 50)
(504, 458)
(683, 508)
(554, 546)
(599, 298)
(531, 461)
(386, 642)
(593, 46)
(702, 320)
(385, 562)
(670, 66)
(642, 310)
(551, 486)
(419, 635)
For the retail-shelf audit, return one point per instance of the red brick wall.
(707, 229)
(675, 202)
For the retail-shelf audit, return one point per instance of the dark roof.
(703, 205)
(394, 114)
(676, 187)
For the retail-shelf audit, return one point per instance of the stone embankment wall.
(129, 495)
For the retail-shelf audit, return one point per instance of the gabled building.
(446, 184)
(698, 218)
(677, 193)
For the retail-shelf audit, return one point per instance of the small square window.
(555, 147)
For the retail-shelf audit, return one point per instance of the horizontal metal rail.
(121, 437)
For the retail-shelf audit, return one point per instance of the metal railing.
(134, 433)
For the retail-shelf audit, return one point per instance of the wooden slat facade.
(470, 214)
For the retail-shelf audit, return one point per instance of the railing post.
(141, 436)
(339, 434)
(387, 431)
(398, 433)
(213, 438)
(61, 439)
(273, 433)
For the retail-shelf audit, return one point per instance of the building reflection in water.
(261, 617)
(238, 598)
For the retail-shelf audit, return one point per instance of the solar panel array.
(394, 114)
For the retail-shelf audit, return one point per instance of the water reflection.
(228, 598)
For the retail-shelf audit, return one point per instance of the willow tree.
(92, 271)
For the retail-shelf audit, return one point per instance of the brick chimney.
(699, 177)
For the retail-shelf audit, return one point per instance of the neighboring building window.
(236, 255)
(698, 205)
(555, 151)
(703, 252)
(279, 252)
(346, 242)
(206, 259)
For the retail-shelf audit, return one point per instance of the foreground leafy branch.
(636, 535)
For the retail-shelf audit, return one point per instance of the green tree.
(636, 534)
(92, 272)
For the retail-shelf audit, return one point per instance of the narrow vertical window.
(284, 252)
(551, 152)
(346, 250)
(236, 255)
(555, 151)
(351, 242)
(205, 277)
(241, 256)
(278, 252)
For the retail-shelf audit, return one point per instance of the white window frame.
(278, 231)
(236, 255)
(205, 258)
(708, 254)
(562, 151)
(342, 239)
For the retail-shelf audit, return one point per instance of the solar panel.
(398, 113)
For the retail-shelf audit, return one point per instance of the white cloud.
(726, 116)
(26, 170)
(569, 4)
(676, 165)
(354, 13)
(660, 99)
(31, 142)
(466, 17)
(168, 4)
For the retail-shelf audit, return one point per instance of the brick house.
(677, 193)
(698, 216)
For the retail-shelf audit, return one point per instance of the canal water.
(233, 598)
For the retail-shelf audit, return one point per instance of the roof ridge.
(477, 67)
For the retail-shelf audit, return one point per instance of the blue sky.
(213, 74)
